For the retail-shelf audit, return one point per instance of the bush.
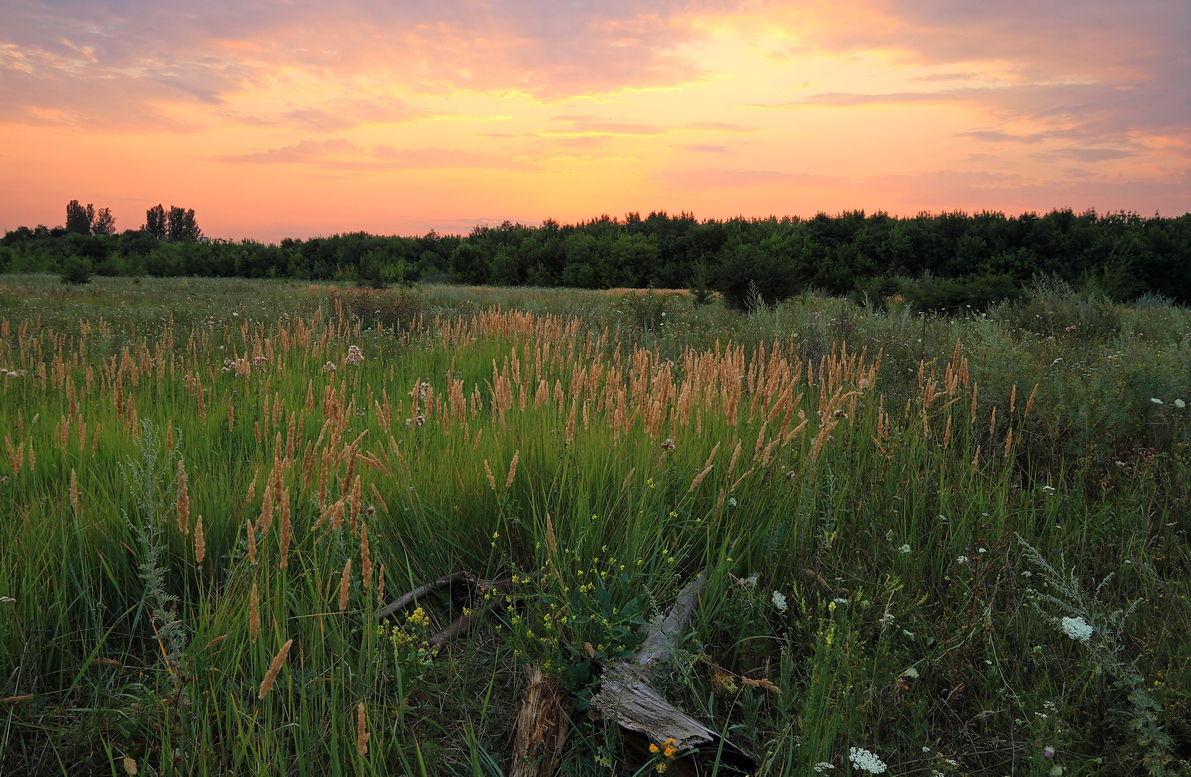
(951, 295)
(75, 271)
(744, 266)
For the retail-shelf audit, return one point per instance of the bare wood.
(400, 603)
(627, 698)
(542, 726)
(664, 632)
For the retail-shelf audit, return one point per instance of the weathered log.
(542, 726)
(627, 698)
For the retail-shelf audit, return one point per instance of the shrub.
(75, 271)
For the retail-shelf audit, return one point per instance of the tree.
(78, 218)
(105, 222)
(155, 222)
(181, 225)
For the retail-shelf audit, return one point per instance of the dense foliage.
(942, 261)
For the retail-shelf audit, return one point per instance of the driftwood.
(542, 726)
(627, 698)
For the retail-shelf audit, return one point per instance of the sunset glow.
(298, 119)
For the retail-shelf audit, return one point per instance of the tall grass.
(853, 481)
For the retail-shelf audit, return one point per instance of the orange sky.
(301, 118)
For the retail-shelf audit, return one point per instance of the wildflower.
(668, 444)
(906, 549)
(961, 560)
(1156, 401)
(354, 355)
(823, 766)
(837, 600)
(329, 367)
(865, 761)
(1048, 751)
(1077, 629)
(779, 601)
(731, 501)
(6, 600)
(1180, 404)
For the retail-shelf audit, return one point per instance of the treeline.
(936, 260)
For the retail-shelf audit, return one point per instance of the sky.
(296, 118)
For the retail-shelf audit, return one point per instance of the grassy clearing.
(905, 539)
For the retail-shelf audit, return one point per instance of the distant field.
(959, 544)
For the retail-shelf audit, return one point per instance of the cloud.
(995, 136)
(718, 126)
(707, 149)
(344, 155)
(697, 180)
(948, 77)
(144, 57)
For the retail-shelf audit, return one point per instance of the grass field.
(959, 543)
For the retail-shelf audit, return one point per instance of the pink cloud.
(698, 180)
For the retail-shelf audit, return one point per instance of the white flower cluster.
(1077, 629)
(779, 601)
(329, 367)
(823, 766)
(6, 373)
(865, 761)
(354, 356)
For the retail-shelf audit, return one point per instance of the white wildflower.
(6, 600)
(329, 367)
(354, 355)
(731, 501)
(1180, 404)
(837, 600)
(909, 673)
(961, 560)
(865, 761)
(823, 766)
(906, 549)
(779, 601)
(1077, 629)
(1156, 401)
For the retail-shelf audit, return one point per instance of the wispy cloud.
(713, 178)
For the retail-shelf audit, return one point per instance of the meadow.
(930, 545)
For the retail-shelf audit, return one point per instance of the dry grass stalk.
(130, 765)
(992, 420)
(976, 459)
(254, 612)
(345, 585)
(488, 472)
(200, 541)
(379, 499)
(74, 491)
(274, 668)
(1008, 442)
(1012, 399)
(972, 412)
(1030, 401)
(251, 489)
(251, 543)
(362, 735)
(512, 470)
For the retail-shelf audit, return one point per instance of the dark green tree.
(105, 222)
(78, 218)
(155, 222)
(181, 226)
